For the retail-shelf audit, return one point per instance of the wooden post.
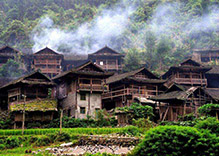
(61, 116)
(23, 120)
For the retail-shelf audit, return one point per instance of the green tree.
(11, 69)
(132, 60)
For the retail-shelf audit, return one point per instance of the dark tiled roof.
(175, 95)
(213, 92)
(214, 70)
(119, 77)
(23, 80)
(79, 71)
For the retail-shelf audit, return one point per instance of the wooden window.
(83, 96)
(82, 110)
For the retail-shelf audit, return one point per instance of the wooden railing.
(93, 87)
(49, 62)
(50, 70)
(188, 81)
(111, 67)
(191, 81)
(130, 91)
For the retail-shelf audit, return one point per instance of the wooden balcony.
(92, 87)
(202, 82)
(50, 70)
(130, 92)
(111, 67)
(186, 81)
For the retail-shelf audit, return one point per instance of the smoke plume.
(89, 37)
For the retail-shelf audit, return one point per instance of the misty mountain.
(153, 32)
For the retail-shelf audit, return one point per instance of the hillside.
(158, 33)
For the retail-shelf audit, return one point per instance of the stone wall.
(108, 141)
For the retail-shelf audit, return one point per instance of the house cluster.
(82, 90)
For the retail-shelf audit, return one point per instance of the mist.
(87, 38)
(168, 19)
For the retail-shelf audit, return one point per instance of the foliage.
(209, 109)
(42, 141)
(142, 44)
(136, 111)
(12, 142)
(103, 119)
(5, 123)
(177, 140)
(130, 130)
(211, 124)
(79, 131)
(143, 123)
(63, 137)
(100, 121)
(11, 69)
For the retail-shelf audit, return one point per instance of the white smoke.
(89, 37)
(169, 19)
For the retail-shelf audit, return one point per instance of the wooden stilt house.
(108, 59)
(180, 100)
(30, 93)
(7, 53)
(189, 73)
(125, 88)
(79, 90)
(48, 62)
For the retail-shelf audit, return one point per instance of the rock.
(66, 144)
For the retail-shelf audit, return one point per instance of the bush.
(2, 146)
(177, 140)
(209, 109)
(130, 130)
(63, 137)
(69, 122)
(143, 123)
(12, 142)
(137, 111)
(211, 124)
(34, 125)
(43, 141)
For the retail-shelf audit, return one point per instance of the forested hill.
(158, 33)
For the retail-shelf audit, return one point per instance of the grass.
(20, 151)
(88, 131)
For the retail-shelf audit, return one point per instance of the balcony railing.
(93, 87)
(191, 81)
(188, 81)
(111, 67)
(130, 91)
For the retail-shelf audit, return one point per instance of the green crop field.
(88, 131)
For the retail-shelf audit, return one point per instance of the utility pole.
(23, 121)
(61, 116)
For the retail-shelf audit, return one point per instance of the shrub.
(2, 146)
(143, 123)
(209, 109)
(12, 142)
(63, 137)
(130, 130)
(211, 124)
(43, 141)
(136, 111)
(177, 140)
(33, 125)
